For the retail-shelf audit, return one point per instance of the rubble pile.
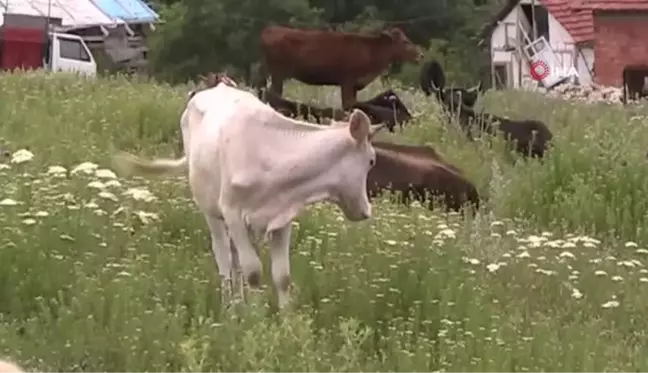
(587, 93)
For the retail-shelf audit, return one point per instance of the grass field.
(100, 273)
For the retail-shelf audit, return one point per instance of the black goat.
(528, 136)
(385, 107)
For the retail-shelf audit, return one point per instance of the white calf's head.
(350, 187)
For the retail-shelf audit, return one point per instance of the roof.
(71, 12)
(614, 4)
(578, 21)
(131, 11)
(80, 13)
(576, 16)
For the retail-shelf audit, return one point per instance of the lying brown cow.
(417, 151)
(326, 57)
(419, 178)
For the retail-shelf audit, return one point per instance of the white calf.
(7, 367)
(252, 170)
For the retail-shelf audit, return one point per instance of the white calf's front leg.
(220, 244)
(280, 263)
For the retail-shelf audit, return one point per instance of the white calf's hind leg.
(237, 273)
(220, 244)
(280, 263)
(247, 254)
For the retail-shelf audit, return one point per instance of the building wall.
(619, 40)
(561, 42)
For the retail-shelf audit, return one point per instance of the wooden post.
(533, 20)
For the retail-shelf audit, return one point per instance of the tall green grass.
(99, 273)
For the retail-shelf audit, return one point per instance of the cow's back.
(322, 57)
(223, 109)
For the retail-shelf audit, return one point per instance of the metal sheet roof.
(131, 11)
(79, 13)
(71, 12)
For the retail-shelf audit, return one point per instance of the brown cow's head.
(403, 48)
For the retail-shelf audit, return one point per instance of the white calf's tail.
(8, 367)
(128, 164)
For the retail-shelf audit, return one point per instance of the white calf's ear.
(359, 125)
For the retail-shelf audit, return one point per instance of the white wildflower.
(96, 185)
(576, 294)
(112, 183)
(496, 224)
(567, 254)
(146, 217)
(446, 233)
(493, 267)
(108, 195)
(22, 156)
(57, 170)
(611, 304)
(140, 194)
(8, 202)
(105, 174)
(85, 167)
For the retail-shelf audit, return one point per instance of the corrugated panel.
(71, 12)
(127, 10)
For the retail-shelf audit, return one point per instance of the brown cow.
(419, 178)
(420, 151)
(326, 57)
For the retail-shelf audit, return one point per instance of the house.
(578, 33)
(117, 28)
(620, 31)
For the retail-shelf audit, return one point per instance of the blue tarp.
(130, 11)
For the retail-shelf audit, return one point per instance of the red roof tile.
(577, 21)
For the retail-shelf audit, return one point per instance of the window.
(72, 49)
(501, 76)
(541, 19)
